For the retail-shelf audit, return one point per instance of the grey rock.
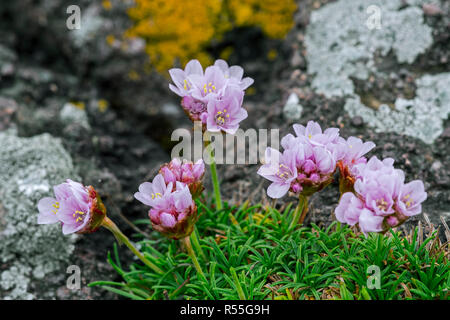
(292, 110)
(29, 252)
(340, 43)
(71, 114)
(421, 117)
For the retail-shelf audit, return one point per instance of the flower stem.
(121, 238)
(215, 180)
(191, 253)
(196, 243)
(300, 212)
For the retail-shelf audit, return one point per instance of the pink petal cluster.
(307, 164)
(185, 172)
(214, 96)
(78, 208)
(173, 211)
(310, 159)
(381, 199)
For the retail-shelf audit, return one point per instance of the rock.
(431, 9)
(357, 121)
(30, 253)
(421, 117)
(7, 60)
(72, 114)
(341, 44)
(292, 110)
(8, 108)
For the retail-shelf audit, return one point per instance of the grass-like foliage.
(247, 252)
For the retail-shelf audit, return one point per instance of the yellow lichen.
(177, 32)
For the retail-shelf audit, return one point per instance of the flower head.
(280, 170)
(226, 114)
(213, 97)
(176, 213)
(79, 208)
(313, 162)
(186, 172)
(380, 199)
(209, 86)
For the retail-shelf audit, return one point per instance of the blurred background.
(84, 95)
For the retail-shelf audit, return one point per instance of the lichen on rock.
(342, 46)
(421, 117)
(29, 167)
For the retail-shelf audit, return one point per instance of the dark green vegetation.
(248, 253)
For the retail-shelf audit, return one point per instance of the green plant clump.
(248, 252)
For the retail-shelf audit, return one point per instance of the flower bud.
(185, 172)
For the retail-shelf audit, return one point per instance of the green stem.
(191, 253)
(196, 243)
(121, 238)
(300, 212)
(237, 283)
(215, 180)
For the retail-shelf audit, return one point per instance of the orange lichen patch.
(274, 17)
(107, 5)
(102, 105)
(79, 104)
(133, 75)
(177, 33)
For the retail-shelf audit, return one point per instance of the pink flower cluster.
(374, 194)
(77, 207)
(171, 197)
(213, 97)
(309, 159)
(381, 199)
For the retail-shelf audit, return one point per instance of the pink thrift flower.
(350, 153)
(195, 109)
(176, 214)
(152, 193)
(280, 170)
(380, 200)
(209, 86)
(180, 77)
(349, 209)
(353, 150)
(234, 74)
(313, 134)
(314, 162)
(186, 172)
(79, 208)
(410, 198)
(226, 114)
(369, 222)
(205, 95)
